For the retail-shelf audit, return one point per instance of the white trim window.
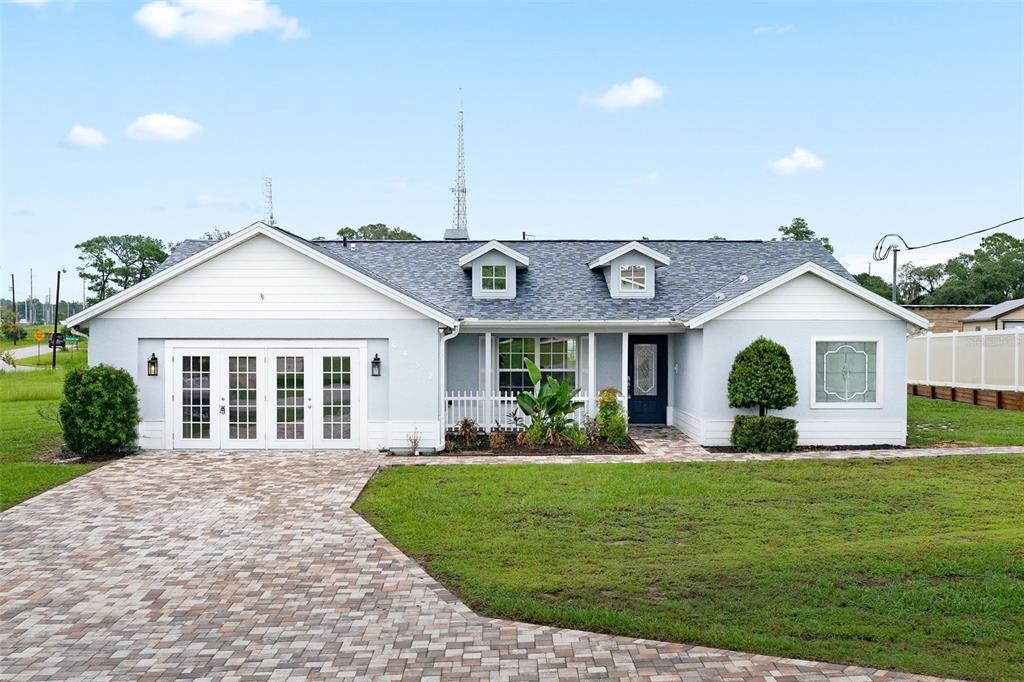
(845, 372)
(554, 355)
(494, 277)
(633, 278)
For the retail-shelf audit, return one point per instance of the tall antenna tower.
(268, 201)
(459, 228)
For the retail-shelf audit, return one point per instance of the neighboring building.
(1005, 315)
(267, 340)
(945, 318)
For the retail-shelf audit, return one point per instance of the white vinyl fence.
(486, 410)
(992, 360)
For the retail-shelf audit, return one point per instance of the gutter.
(456, 329)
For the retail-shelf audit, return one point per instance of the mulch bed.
(482, 448)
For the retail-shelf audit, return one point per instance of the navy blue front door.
(648, 379)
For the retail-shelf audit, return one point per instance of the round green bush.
(100, 411)
(751, 433)
(762, 377)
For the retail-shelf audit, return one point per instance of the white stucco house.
(268, 340)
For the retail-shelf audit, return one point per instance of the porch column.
(625, 372)
(592, 373)
(488, 384)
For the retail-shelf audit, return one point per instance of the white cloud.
(800, 160)
(162, 127)
(215, 21)
(636, 92)
(761, 30)
(647, 178)
(81, 136)
(213, 201)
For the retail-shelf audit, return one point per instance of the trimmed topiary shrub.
(751, 433)
(762, 377)
(100, 411)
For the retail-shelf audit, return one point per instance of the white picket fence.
(485, 410)
(991, 360)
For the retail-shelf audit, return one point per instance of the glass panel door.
(292, 399)
(195, 425)
(242, 400)
(336, 426)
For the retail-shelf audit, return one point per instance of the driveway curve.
(253, 565)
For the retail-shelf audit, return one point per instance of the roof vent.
(744, 279)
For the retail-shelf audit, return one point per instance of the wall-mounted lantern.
(152, 365)
(375, 366)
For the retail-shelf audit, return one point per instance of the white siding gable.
(807, 297)
(262, 279)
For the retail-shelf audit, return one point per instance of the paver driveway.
(253, 565)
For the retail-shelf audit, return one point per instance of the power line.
(881, 254)
(886, 245)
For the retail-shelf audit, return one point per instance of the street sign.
(40, 335)
(57, 340)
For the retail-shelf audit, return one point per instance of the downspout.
(443, 378)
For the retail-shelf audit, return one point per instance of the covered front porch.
(485, 370)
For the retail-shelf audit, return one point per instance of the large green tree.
(992, 273)
(917, 283)
(875, 284)
(375, 231)
(113, 263)
(799, 231)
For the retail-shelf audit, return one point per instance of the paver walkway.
(253, 565)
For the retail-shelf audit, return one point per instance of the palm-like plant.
(552, 400)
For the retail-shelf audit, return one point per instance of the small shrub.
(100, 411)
(751, 433)
(612, 424)
(615, 430)
(498, 439)
(536, 434)
(576, 436)
(468, 433)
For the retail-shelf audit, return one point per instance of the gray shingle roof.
(558, 285)
(995, 311)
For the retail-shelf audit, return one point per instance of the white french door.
(266, 397)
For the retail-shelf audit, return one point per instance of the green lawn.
(913, 565)
(7, 344)
(933, 422)
(26, 435)
(65, 358)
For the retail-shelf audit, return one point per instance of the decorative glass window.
(645, 369)
(633, 278)
(846, 373)
(493, 277)
(555, 356)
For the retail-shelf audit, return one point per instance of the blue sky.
(910, 118)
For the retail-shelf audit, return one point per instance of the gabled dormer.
(629, 270)
(494, 267)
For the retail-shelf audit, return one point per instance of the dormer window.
(494, 277)
(633, 278)
(629, 270)
(493, 268)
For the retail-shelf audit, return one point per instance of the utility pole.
(895, 257)
(56, 317)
